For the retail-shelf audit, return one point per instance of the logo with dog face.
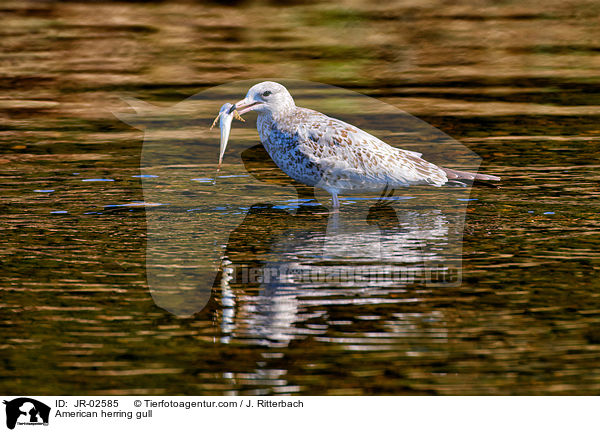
(26, 411)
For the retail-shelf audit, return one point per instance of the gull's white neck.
(280, 115)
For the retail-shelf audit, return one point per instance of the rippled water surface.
(515, 82)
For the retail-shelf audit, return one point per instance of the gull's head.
(267, 97)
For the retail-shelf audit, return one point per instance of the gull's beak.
(244, 106)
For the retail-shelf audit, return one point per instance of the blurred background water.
(516, 82)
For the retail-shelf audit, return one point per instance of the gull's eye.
(267, 93)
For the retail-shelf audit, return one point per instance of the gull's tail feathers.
(463, 175)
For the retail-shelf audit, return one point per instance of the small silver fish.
(225, 125)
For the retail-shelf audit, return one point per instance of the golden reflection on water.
(516, 82)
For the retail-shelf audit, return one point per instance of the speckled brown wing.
(352, 159)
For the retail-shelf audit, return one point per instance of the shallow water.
(515, 83)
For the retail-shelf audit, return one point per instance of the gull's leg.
(384, 194)
(336, 201)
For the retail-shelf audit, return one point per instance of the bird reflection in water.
(278, 263)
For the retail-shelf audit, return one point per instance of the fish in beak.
(226, 115)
